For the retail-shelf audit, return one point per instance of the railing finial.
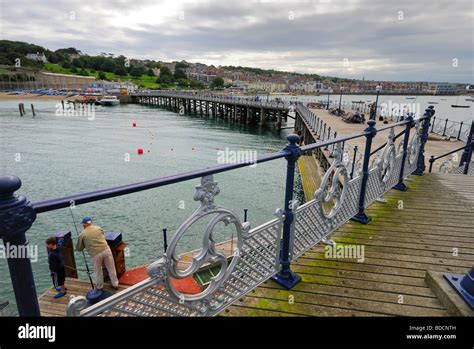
(16, 217)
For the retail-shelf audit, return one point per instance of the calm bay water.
(64, 155)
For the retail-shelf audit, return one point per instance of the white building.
(267, 86)
(443, 88)
(308, 87)
(38, 56)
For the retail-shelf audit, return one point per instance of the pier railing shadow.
(261, 253)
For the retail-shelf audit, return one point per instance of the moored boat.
(109, 100)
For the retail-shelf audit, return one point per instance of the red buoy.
(140, 151)
(134, 124)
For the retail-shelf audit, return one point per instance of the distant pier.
(242, 110)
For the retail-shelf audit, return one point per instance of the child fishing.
(56, 264)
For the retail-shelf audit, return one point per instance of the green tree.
(120, 70)
(102, 75)
(77, 63)
(137, 71)
(217, 82)
(181, 65)
(5, 60)
(166, 77)
(196, 85)
(179, 74)
(107, 65)
(66, 64)
(182, 82)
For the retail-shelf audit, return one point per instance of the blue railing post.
(361, 217)
(353, 162)
(433, 125)
(16, 217)
(464, 285)
(424, 137)
(285, 277)
(467, 153)
(400, 185)
(445, 127)
(460, 130)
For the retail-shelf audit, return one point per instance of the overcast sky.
(428, 40)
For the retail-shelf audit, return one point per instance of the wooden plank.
(298, 308)
(343, 303)
(365, 284)
(49, 306)
(364, 294)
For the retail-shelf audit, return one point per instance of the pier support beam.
(278, 124)
(262, 116)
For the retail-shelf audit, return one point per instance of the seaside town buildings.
(237, 79)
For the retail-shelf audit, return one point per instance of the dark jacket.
(55, 257)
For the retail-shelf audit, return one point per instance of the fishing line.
(83, 254)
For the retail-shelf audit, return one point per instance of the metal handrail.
(83, 198)
(432, 159)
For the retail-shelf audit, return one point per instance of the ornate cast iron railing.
(454, 162)
(451, 129)
(261, 253)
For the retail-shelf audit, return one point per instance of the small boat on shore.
(109, 101)
(410, 97)
(471, 99)
(433, 103)
(459, 106)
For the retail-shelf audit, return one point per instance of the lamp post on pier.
(378, 88)
(340, 100)
(329, 94)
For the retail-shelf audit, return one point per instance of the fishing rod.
(83, 254)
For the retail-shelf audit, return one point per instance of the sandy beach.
(35, 96)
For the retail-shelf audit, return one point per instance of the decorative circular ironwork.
(205, 193)
(386, 160)
(414, 146)
(439, 127)
(330, 188)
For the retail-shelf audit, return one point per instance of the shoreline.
(6, 96)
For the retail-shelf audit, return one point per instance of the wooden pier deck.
(311, 174)
(75, 287)
(400, 246)
(435, 145)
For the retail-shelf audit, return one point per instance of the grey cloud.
(368, 33)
